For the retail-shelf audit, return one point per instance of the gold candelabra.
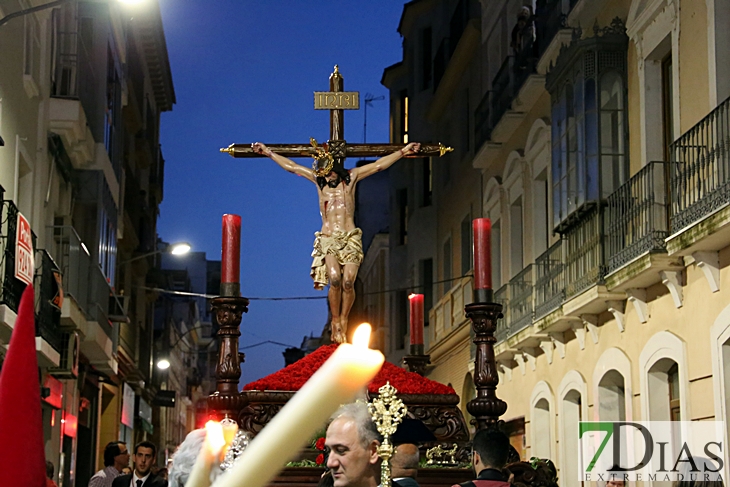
(387, 412)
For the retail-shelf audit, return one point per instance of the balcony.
(700, 185)
(549, 280)
(72, 88)
(91, 307)
(637, 225)
(447, 318)
(11, 289)
(552, 31)
(48, 332)
(48, 314)
(453, 55)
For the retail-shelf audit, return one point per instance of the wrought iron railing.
(501, 296)
(521, 299)
(636, 216)
(73, 76)
(506, 84)
(11, 288)
(48, 314)
(482, 120)
(464, 11)
(584, 253)
(549, 280)
(83, 279)
(700, 169)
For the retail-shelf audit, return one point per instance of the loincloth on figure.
(345, 246)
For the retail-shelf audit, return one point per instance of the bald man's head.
(405, 461)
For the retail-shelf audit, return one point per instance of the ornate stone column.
(486, 407)
(227, 399)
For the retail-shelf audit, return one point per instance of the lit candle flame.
(412, 295)
(214, 436)
(361, 337)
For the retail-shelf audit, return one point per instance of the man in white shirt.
(116, 457)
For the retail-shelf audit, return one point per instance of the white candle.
(337, 382)
(212, 445)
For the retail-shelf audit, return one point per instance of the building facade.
(594, 135)
(82, 87)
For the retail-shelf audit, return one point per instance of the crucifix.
(338, 249)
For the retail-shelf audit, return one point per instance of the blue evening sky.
(245, 71)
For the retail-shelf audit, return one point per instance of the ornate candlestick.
(486, 407)
(227, 400)
(387, 412)
(417, 360)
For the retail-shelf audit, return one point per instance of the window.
(404, 116)
(497, 253)
(515, 223)
(466, 245)
(447, 265)
(612, 403)
(426, 272)
(613, 134)
(542, 442)
(572, 416)
(540, 213)
(589, 124)
(110, 114)
(426, 58)
(667, 105)
(427, 181)
(401, 301)
(673, 381)
(402, 216)
(31, 54)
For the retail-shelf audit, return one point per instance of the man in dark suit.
(145, 454)
(491, 449)
(404, 465)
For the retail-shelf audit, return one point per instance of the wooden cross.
(336, 100)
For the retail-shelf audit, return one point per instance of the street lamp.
(163, 363)
(180, 248)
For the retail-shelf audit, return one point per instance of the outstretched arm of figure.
(284, 162)
(385, 162)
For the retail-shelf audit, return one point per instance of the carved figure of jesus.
(338, 249)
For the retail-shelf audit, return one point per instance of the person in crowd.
(116, 458)
(491, 449)
(145, 454)
(404, 465)
(353, 439)
(49, 474)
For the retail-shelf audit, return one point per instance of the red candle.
(416, 301)
(231, 253)
(482, 253)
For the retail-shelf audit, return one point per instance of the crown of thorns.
(323, 160)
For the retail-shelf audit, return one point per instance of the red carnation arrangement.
(293, 377)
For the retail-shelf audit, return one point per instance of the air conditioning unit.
(69, 363)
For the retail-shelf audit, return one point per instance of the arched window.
(612, 397)
(541, 429)
(571, 403)
(542, 433)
